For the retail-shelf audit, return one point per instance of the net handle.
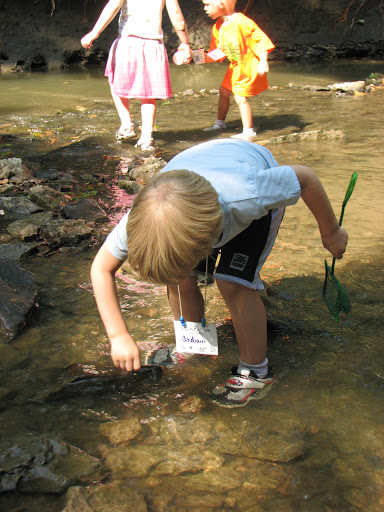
(351, 186)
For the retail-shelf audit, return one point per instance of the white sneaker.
(242, 386)
(145, 144)
(214, 127)
(245, 136)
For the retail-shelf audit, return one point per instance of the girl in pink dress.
(137, 65)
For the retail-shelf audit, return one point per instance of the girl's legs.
(122, 107)
(148, 114)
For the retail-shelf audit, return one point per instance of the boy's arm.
(105, 18)
(124, 351)
(178, 22)
(334, 237)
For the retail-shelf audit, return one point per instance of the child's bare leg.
(249, 320)
(223, 106)
(122, 107)
(148, 114)
(245, 112)
(192, 303)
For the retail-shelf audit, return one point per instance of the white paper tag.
(216, 54)
(196, 339)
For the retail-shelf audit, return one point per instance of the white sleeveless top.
(142, 18)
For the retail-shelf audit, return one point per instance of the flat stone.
(85, 209)
(115, 497)
(124, 431)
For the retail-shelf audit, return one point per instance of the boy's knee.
(241, 100)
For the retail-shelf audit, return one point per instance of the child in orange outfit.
(238, 38)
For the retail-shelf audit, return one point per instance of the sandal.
(125, 133)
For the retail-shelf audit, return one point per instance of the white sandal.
(125, 133)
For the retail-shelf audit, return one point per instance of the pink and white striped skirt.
(138, 68)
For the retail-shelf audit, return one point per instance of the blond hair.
(174, 223)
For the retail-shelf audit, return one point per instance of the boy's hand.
(262, 67)
(336, 243)
(125, 353)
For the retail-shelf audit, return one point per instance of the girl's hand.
(336, 243)
(187, 51)
(87, 40)
(125, 353)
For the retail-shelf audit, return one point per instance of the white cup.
(178, 57)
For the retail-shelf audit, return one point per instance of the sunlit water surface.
(329, 389)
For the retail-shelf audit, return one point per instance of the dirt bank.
(35, 35)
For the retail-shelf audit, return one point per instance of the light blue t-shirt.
(247, 178)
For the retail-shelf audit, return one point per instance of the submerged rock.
(110, 497)
(85, 379)
(17, 297)
(123, 431)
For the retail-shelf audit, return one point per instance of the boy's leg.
(249, 320)
(224, 101)
(192, 302)
(246, 119)
(245, 112)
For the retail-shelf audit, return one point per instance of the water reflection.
(298, 448)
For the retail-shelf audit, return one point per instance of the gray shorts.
(241, 259)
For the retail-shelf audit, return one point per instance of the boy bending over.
(223, 195)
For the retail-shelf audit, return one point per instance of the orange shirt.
(243, 42)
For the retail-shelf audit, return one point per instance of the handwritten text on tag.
(196, 339)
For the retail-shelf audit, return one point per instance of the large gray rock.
(45, 197)
(17, 297)
(18, 205)
(10, 167)
(15, 251)
(43, 465)
(29, 228)
(85, 209)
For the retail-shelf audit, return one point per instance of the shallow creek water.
(315, 441)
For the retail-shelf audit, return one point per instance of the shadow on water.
(314, 443)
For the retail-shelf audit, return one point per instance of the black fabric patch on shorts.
(240, 256)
